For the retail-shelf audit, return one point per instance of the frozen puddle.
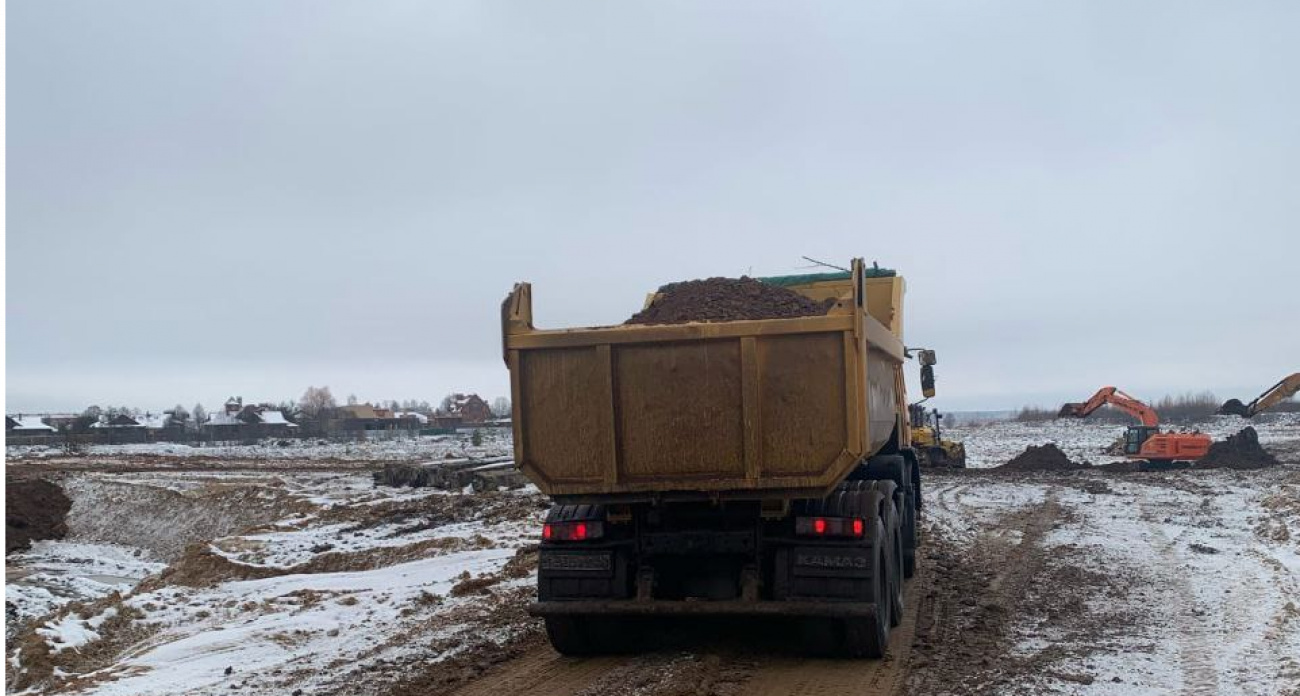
(53, 573)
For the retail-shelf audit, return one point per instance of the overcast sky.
(209, 199)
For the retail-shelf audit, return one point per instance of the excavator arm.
(1116, 398)
(1271, 397)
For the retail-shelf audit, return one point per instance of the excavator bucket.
(1234, 407)
(1070, 410)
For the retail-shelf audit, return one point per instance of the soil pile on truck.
(740, 447)
(726, 299)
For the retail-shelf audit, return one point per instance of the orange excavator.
(1145, 442)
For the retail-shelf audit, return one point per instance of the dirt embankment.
(1041, 458)
(35, 509)
(1240, 451)
(726, 299)
(166, 521)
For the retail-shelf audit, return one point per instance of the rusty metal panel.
(679, 410)
(562, 398)
(802, 406)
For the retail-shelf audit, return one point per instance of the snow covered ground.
(1084, 440)
(348, 578)
(495, 442)
(278, 581)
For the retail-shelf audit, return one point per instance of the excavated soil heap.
(726, 299)
(1041, 458)
(34, 509)
(1240, 451)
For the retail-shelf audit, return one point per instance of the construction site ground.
(184, 575)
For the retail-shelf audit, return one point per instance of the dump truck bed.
(761, 408)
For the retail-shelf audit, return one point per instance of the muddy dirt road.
(708, 659)
(1077, 582)
(1092, 582)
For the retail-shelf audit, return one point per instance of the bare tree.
(316, 400)
(352, 399)
(501, 407)
(179, 416)
(87, 418)
(447, 401)
(198, 417)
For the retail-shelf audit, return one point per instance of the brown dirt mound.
(1041, 458)
(34, 509)
(726, 299)
(1240, 451)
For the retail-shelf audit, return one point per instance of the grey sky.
(207, 199)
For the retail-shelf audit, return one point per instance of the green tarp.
(870, 272)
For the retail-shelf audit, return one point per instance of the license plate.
(575, 561)
(821, 560)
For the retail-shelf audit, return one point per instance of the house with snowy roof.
(239, 422)
(119, 421)
(471, 409)
(419, 418)
(368, 417)
(28, 425)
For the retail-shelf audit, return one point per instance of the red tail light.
(830, 526)
(573, 531)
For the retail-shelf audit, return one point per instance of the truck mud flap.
(705, 608)
(824, 572)
(599, 573)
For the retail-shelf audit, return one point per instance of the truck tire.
(568, 635)
(869, 637)
(587, 635)
(902, 471)
(893, 540)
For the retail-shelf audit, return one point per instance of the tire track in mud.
(1195, 658)
(966, 630)
(808, 677)
(542, 671)
(761, 671)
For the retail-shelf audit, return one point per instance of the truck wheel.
(568, 635)
(902, 470)
(869, 637)
(588, 635)
(896, 562)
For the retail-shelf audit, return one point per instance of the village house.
(239, 422)
(471, 409)
(368, 417)
(27, 425)
(119, 421)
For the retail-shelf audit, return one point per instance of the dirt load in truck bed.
(726, 299)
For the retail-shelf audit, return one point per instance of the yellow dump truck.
(756, 467)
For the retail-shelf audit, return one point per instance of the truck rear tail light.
(830, 526)
(573, 531)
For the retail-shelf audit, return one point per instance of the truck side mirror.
(927, 380)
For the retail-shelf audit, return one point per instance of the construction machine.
(727, 468)
(927, 439)
(1144, 442)
(1271, 397)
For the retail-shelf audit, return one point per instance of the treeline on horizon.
(316, 402)
(1192, 406)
